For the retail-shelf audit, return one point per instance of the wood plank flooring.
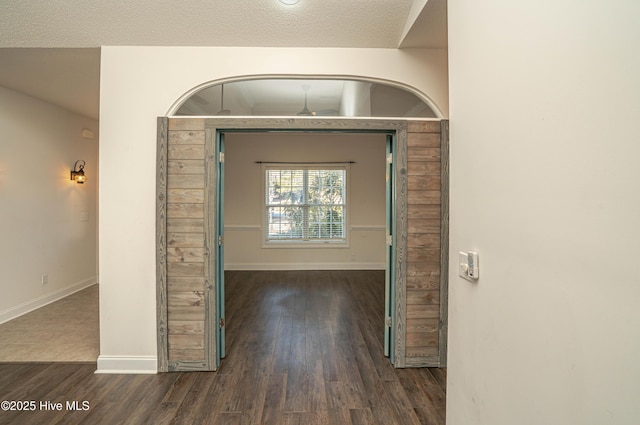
(302, 348)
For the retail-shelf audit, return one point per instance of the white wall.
(244, 197)
(545, 185)
(139, 84)
(40, 207)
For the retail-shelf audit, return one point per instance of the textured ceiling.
(310, 23)
(49, 49)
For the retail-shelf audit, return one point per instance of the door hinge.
(221, 159)
(387, 321)
(220, 240)
(389, 240)
(221, 323)
(389, 158)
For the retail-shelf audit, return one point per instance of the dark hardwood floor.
(302, 348)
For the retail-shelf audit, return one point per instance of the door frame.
(214, 126)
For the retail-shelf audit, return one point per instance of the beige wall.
(244, 197)
(41, 231)
(545, 108)
(138, 84)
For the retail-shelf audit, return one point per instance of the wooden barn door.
(187, 247)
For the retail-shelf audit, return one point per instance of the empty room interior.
(285, 211)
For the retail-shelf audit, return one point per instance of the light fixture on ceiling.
(77, 174)
(305, 110)
(222, 111)
(289, 2)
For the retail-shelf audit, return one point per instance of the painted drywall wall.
(244, 198)
(138, 84)
(42, 230)
(416, 8)
(545, 105)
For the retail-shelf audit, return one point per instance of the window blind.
(304, 204)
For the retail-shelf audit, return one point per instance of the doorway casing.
(204, 352)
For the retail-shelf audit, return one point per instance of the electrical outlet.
(353, 258)
(44, 279)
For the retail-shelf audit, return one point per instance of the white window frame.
(306, 243)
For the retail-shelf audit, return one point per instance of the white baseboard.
(24, 308)
(127, 365)
(305, 266)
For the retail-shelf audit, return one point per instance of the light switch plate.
(468, 267)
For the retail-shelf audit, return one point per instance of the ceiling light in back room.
(289, 2)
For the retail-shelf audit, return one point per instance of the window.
(305, 205)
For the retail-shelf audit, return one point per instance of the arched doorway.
(191, 326)
(333, 96)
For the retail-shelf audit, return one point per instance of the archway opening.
(329, 97)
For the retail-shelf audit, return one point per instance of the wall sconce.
(77, 174)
